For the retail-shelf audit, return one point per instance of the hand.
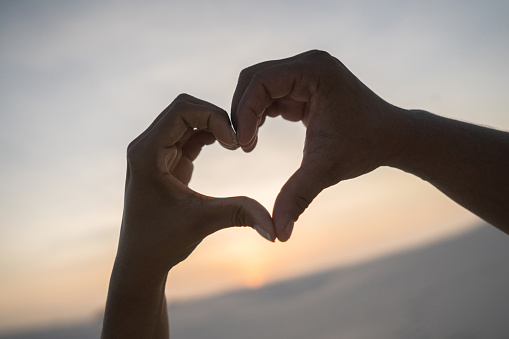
(348, 126)
(164, 220)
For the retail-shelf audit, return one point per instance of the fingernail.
(231, 147)
(289, 228)
(263, 233)
(234, 136)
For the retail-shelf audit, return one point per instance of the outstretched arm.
(164, 220)
(469, 163)
(352, 131)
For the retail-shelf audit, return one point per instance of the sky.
(80, 80)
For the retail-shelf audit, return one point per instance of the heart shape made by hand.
(259, 174)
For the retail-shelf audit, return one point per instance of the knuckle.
(140, 156)
(133, 150)
(133, 156)
(245, 74)
(257, 77)
(320, 53)
(238, 214)
(322, 58)
(216, 112)
(131, 145)
(180, 106)
(222, 115)
(302, 202)
(183, 97)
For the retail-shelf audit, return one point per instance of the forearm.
(468, 163)
(136, 304)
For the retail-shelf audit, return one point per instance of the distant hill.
(457, 289)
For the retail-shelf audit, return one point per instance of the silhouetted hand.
(164, 220)
(347, 124)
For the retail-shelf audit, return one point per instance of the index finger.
(243, 82)
(187, 116)
(258, 87)
(264, 88)
(171, 110)
(246, 76)
(183, 117)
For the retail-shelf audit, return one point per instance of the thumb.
(238, 211)
(295, 196)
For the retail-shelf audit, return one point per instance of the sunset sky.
(80, 80)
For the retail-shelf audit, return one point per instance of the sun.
(250, 260)
(253, 277)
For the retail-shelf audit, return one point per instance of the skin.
(351, 131)
(164, 220)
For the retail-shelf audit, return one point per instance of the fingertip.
(234, 136)
(284, 216)
(229, 147)
(218, 123)
(283, 229)
(247, 128)
(289, 229)
(250, 146)
(239, 211)
(231, 144)
(244, 141)
(264, 234)
(259, 219)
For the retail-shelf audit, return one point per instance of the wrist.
(141, 253)
(136, 304)
(419, 142)
(402, 135)
(138, 270)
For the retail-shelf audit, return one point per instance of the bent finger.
(246, 76)
(179, 98)
(194, 144)
(286, 83)
(187, 116)
(222, 213)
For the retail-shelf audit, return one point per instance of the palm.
(188, 148)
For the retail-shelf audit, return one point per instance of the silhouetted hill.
(456, 288)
